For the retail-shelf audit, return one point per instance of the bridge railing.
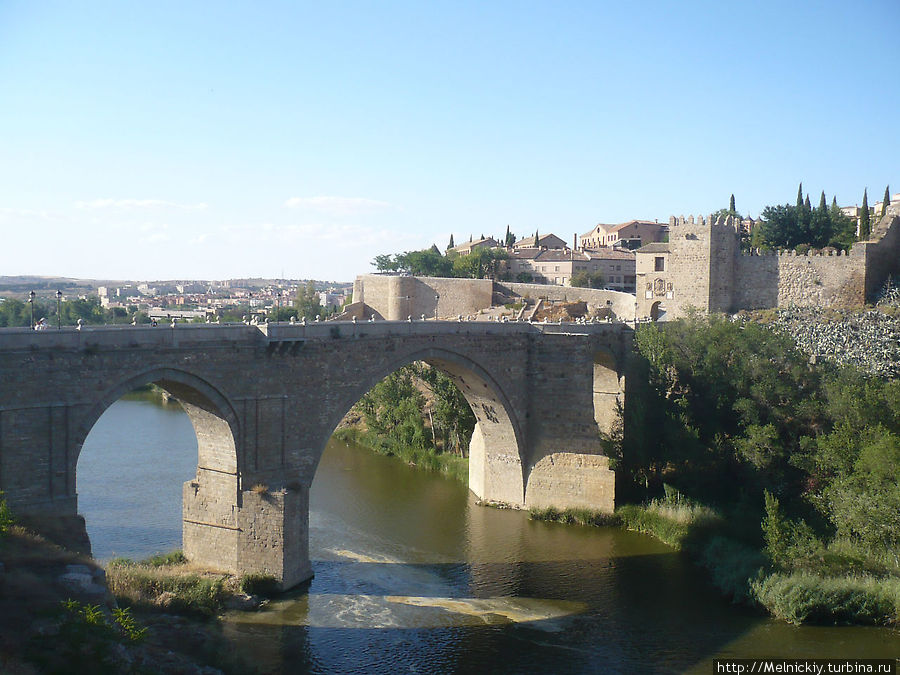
(147, 336)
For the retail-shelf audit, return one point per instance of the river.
(412, 576)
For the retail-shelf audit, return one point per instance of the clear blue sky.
(162, 139)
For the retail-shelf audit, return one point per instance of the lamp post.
(249, 307)
(436, 298)
(58, 306)
(31, 302)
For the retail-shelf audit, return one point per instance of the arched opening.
(495, 471)
(658, 311)
(139, 447)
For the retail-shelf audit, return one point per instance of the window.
(659, 264)
(618, 268)
(556, 268)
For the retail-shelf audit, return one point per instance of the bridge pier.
(262, 531)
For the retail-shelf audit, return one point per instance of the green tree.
(731, 205)
(424, 263)
(583, 279)
(481, 263)
(864, 228)
(886, 202)
(393, 408)
(307, 302)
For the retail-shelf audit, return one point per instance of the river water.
(412, 576)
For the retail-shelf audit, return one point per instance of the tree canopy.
(481, 262)
(790, 226)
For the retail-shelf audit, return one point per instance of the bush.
(733, 566)
(85, 640)
(163, 559)
(6, 516)
(806, 598)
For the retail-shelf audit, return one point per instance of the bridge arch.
(212, 499)
(211, 414)
(497, 450)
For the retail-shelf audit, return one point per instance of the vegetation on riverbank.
(778, 476)
(157, 617)
(418, 415)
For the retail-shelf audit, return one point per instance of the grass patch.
(453, 466)
(576, 517)
(170, 586)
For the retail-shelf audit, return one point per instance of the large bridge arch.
(210, 412)
(211, 500)
(497, 452)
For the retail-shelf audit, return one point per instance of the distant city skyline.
(212, 141)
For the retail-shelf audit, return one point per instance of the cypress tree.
(537, 239)
(823, 205)
(731, 205)
(800, 197)
(506, 241)
(834, 202)
(807, 205)
(450, 245)
(864, 217)
(886, 202)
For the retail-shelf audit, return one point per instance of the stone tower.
(702, 263)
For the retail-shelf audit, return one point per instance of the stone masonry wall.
(621, 303)
(264, 401)
(786, 279)
(398, 297)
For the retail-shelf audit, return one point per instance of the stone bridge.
(265, 400)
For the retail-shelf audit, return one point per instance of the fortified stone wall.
(707, 271)
(784, 279)
(397, 297)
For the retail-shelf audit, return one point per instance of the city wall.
(706, 270)
(397, 297)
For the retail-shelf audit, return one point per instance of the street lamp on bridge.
(58, 306)
(31, 302)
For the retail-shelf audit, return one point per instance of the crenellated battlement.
(790, 253)
(706, 269)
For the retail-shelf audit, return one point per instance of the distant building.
(469, 246)
(556, 266)
(637, 232)
(548, 241)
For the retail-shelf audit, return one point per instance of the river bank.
(62, 612)
(744, 573)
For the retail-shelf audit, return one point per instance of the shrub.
(806, 598)
(732, 565)
(163, 559)
(6, 516)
